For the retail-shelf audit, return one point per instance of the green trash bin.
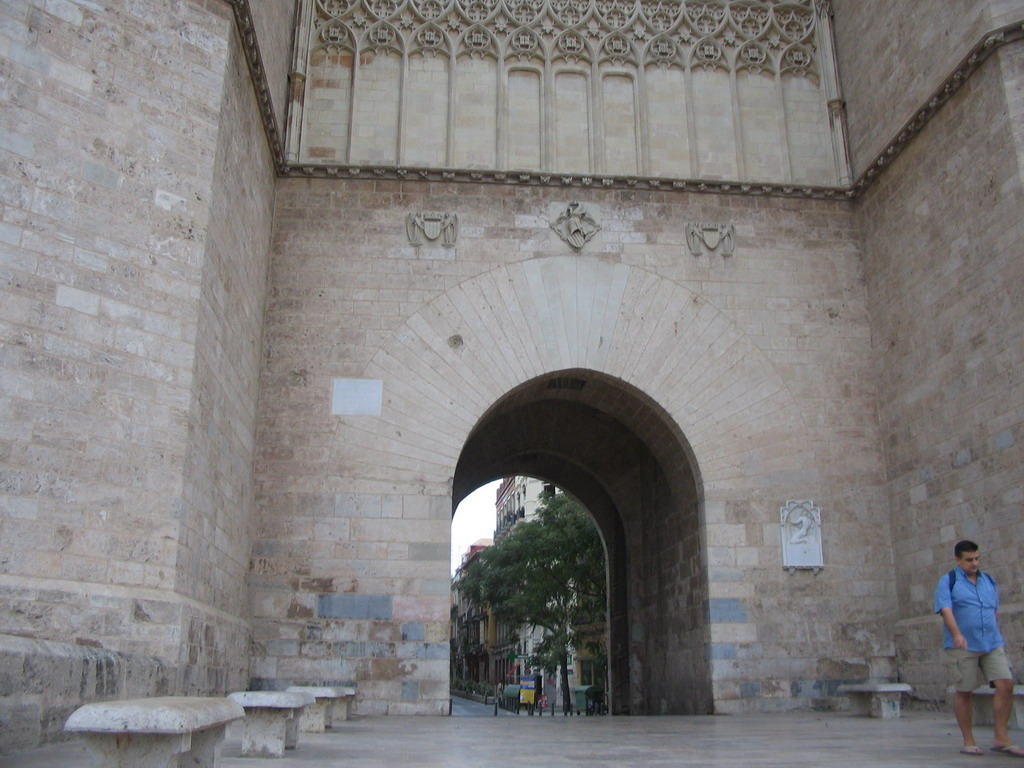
(579, 698)
(510, 697)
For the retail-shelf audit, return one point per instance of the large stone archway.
(751, 363)
(614, 450)
(628, 389)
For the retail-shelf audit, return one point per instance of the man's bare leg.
(1002, 703)
(964, 710)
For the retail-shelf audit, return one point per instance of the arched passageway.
(615, 450)
(655, 408)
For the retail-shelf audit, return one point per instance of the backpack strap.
(951, 578)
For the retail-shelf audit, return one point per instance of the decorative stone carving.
(691, 33)
(801, 535)
(390, 82)
(576, 225)
(432, 226)
(710, 236)
(661, 20)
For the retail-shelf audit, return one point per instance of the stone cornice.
(569, 180)
(251, 46)
(989, 43)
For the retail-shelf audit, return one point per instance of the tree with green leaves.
(548, 573)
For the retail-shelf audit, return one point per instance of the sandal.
(1010, 750)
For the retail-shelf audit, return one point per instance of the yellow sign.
(526, 692)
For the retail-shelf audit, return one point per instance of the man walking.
(968, 602)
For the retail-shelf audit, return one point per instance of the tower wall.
(136, 211)
(892, 58)
(942, 232)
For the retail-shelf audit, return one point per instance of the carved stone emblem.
(432, 225)
(801, 535)
(711, 236)
(576, 225)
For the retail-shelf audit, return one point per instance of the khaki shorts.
(977, 669)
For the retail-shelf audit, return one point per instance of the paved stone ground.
(805, 740)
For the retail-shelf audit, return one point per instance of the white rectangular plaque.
(357, 397)
(801, 535)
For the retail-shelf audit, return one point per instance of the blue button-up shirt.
(974, 608)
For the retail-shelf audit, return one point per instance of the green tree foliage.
(548, 573)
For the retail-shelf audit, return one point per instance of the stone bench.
(981, 699)
(875, 699)
(271, 722)
(160, 732)
(332, 704)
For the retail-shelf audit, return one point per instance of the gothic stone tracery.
(731, 35)
(713, 90)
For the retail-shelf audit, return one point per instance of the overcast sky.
(474, 520)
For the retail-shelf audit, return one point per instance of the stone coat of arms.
(576, 226)
(432, 226)
(711, 235)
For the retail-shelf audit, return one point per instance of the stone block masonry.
(187, 487)
(374, 610)
(945, 276)
(42, 682)
(136, 204)
(898, 73)
(780, 328)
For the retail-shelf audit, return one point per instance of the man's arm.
(959, 641)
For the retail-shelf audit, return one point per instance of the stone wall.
(137, 392)
(942, 232)
(893, 56)
(217, 499)
(136, 206)
(761, 360)
(42, 682)
(107, 181)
